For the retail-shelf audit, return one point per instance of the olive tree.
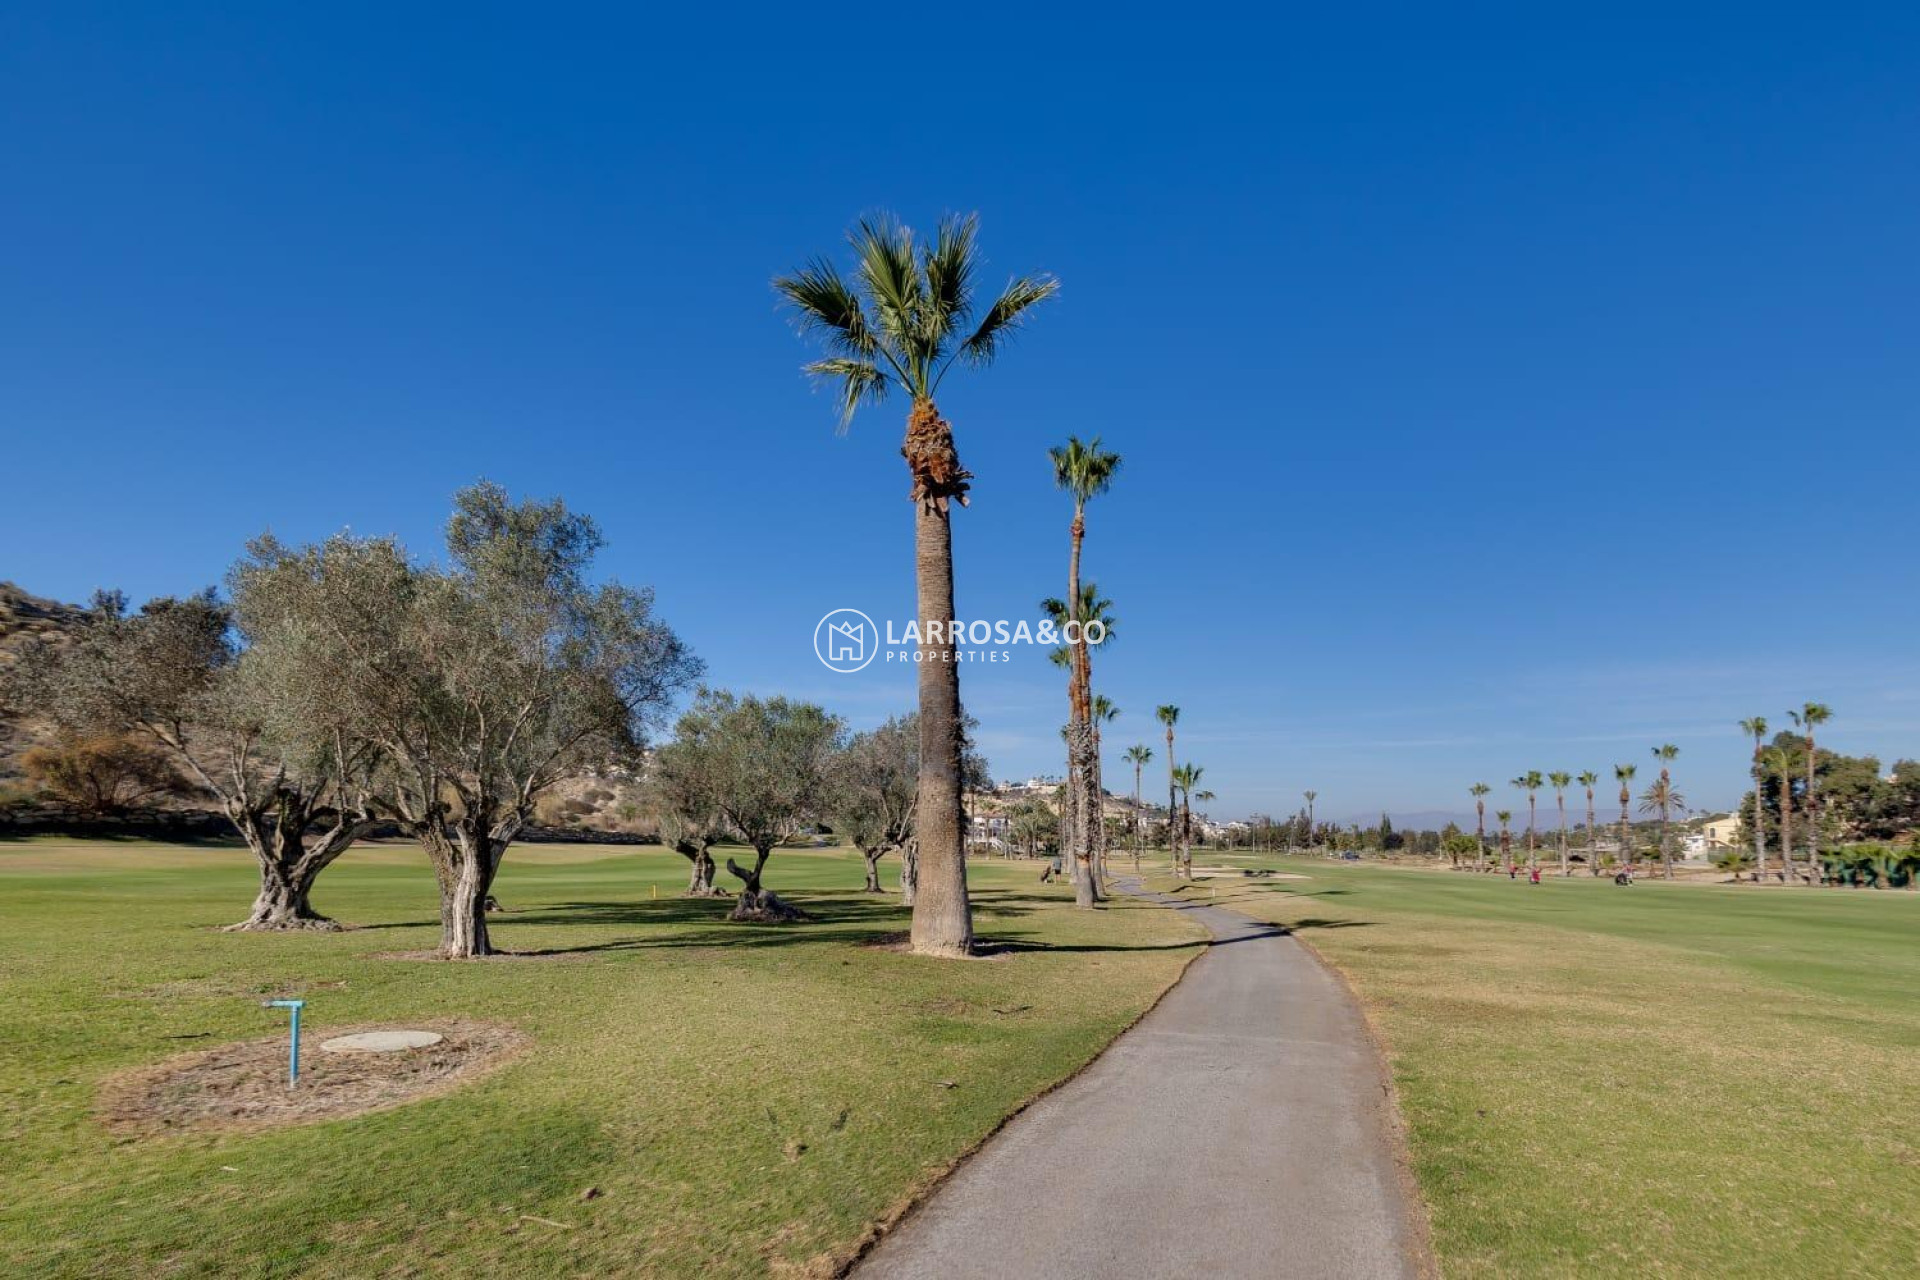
(207, 684)
(485, 682)
(768, 762)
(681, 798)
(872, 787)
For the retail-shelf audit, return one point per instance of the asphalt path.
(1242, 1128)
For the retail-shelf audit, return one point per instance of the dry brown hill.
(26, 619)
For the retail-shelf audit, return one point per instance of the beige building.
(1722, 833)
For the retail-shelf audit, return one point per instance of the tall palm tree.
(1138, 755)
(1479, 793)
(1188, 777)
(1661, 800)
(1665, 754)
(1104, 713)
(1530, 782)
(1080, 829)
(1779, 762)
(906, 317)
(1588, 778)
(1169, 716)
(1811, 716)
(1561, 780)
(1505, 818)
(1756, 729)
(1085, 471)
(1312, 840)
(1623, 774)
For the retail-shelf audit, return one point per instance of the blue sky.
(1497, 390)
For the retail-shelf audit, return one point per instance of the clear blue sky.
(1497, 391)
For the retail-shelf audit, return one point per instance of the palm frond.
(827, 307)
(948, 265)
(883, 248)
(1004, 318)
(1083, 468)
(855, 380)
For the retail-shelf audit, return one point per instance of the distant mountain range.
(1420, 819)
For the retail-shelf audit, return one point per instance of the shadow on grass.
(855, 918)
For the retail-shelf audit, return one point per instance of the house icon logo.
(846, 640)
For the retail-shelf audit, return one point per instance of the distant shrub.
(103, 774)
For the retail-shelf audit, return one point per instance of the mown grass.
(747, 1100)
(1663, 1080)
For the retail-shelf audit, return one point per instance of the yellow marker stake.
(656, 891)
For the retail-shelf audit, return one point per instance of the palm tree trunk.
(1813, 812)
(1593, 857)
(1136, 815)
(1533, 859)
(1173, 847)
(1759, 819)
(1480, 821)
(1565, 868)
(1786, 826)
(1626, 857)
(942, 916)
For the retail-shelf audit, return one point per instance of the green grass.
(1666, 1080)
(679, 1063)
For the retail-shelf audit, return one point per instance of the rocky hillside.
(25, 619)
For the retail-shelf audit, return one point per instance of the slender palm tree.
(906, 317)
(1104, 713)
(1811, 716)
(1138, 756)
(1188, 777)
(1623, 774)
(1479, 793)
(1756, 729)
(1085, 471)
(1505, 818)
(1661, 800)
(1665, 754)
(1080, 828)
(1588, 779)
(1779, 762)
(1560, 780)
(1312, 840)
(1169, 716)
(1530, 782)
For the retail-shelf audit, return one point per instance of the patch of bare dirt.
(244, 1086)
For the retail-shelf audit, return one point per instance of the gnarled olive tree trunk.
(288, 863)
(466, 856)
(700, 870)
(757, 904)
(909, 870)
(942, 916)
(872, 859)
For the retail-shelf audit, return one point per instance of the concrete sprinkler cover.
(381, 1042)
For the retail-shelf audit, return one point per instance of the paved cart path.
(1240, 1129)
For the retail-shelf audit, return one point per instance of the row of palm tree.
(1660, 799)
(1780, 763)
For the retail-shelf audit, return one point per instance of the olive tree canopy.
(485, 682)
(767, 763)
